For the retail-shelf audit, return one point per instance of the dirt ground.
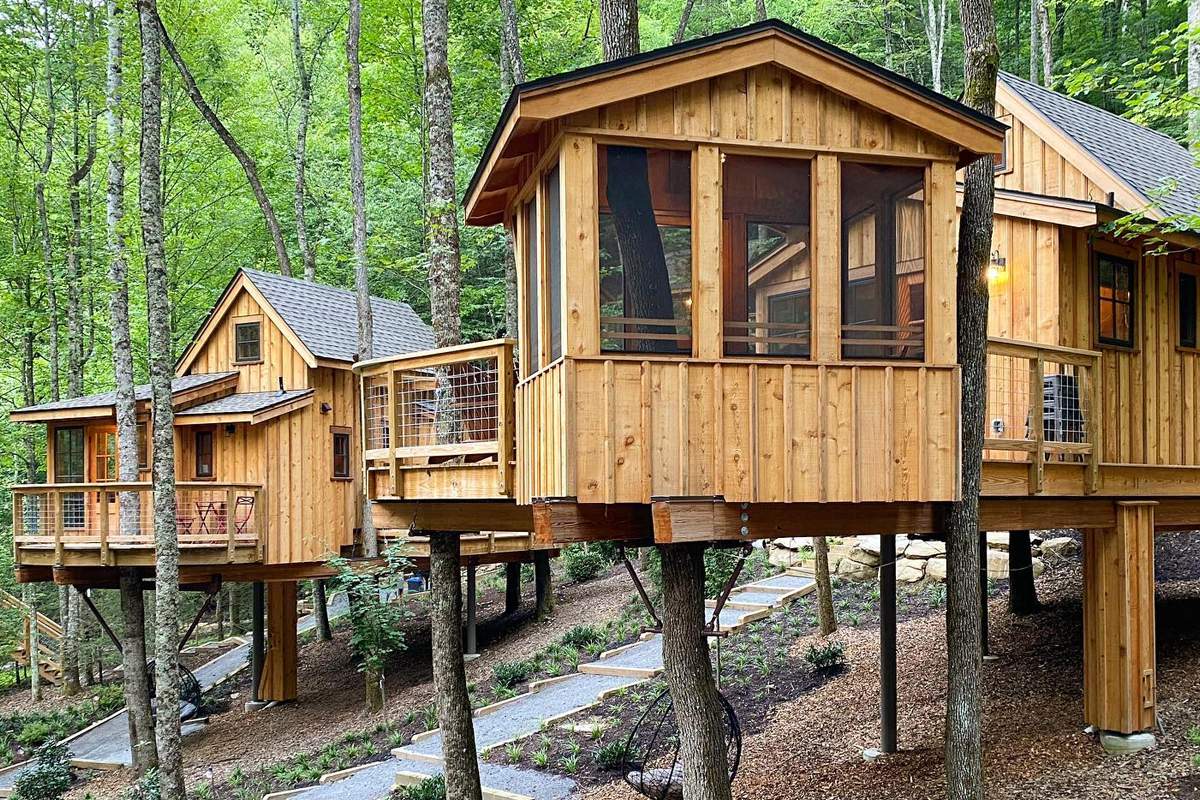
(811, 748)
(331, 689)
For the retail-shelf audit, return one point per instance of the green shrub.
(581, 636)
(147, 787)
(827, 657)
(582, 562)
(1194, 737)
(612, 755)
(50, 777)
(508, 674)
(428, 789)
(35, 733)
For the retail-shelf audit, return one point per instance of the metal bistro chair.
(243, 502)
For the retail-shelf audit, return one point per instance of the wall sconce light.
(326, 408)
(997, 267)
(230, 430)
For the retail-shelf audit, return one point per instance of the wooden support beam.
(707, 519)
(456, 515)
(562, 522)
(471, 646)
(1118, 621)
(278, 682)
(257, 638)
(887, 643)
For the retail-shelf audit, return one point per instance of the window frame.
(212, 455)
(1182, 268)
(1005, 166)
(1116, 255)
(143, 444)
(339, 434)
(239, 323)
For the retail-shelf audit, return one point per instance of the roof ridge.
(329, 286)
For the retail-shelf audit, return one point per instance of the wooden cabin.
(737, 296)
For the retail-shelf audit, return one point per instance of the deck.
(79, 525)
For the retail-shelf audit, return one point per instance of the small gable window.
(247, 342)
(1187, 309)
(1114, 296)
(1002, 161)
(341, 454)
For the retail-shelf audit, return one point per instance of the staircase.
(50, 633)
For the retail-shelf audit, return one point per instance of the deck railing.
(439, 424)
(86, 517)
(1042, 407)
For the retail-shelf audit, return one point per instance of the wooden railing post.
(18, 524)
(103, 529)
(394, 417)
(260, 530)
(504, 432)
(1090, 402)
(54, 505)
(231, 522)
(1037, 468)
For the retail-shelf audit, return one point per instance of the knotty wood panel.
(748, 431)
(1035, 166)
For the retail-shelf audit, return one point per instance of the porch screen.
(69, 463)
(645, 210)
(883, 261)
(765, 256)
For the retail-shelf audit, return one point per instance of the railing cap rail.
(1017, 344)
(129, 486)
(457, 351)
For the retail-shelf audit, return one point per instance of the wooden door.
(102, 468)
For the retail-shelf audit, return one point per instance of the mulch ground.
(811, 748)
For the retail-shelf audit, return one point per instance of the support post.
(1119, 678)
(542, 580)
(887, 643)
(278, 683)
(512, 587)
(983, 594)
(472, 645)
(257, 638)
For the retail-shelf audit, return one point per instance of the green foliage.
(508, 674)
(428, 789)
(829, 656)
(146, 788)
(612, 754)
(50, 777)
(582, 562)
(29, 731)
(1193, 736)
(376, 611)
(582, 635)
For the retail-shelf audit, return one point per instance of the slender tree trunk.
(619, 28)
(1034, 39)
(760, 10)
(1047, 43)
(321, 609)
(1022, 591)
(300, 156)
(358, 198)
(39, 196)
(825, 613)
(166, 534)
(512, 587)
(243, 158)
(702, 745)
(964, 703)
(449, 676)
(135, 679)
(934, 17)
(686, 15)
(34, 654)
(512, 72)
(1193, 72)
(543, 580)
(70, 644)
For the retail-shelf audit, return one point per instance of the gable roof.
(1144, 160)
(320, 321)
(105, 402)
(769, 41)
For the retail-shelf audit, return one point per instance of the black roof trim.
(706, 41)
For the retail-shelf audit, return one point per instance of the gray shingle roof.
(325, 318)
(245, 403)
(1153, 163)
(140, 393)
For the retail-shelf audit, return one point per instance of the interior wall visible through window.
(1114, 300)
(1187, 309)
(766, 256)
(883, 261)
(645, 224)
(554, 266)
(533, 340)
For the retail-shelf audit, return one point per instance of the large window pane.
(766, 256)
(554, 265)
(883, 261)
(1115, 299)
(531, 349)
(1187, 309)
(645, 223)
(69, 468)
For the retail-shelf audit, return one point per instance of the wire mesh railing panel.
(452, 404)
(377, 412)
(1008, 397)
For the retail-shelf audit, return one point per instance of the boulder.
(869, 544)
(997, 540)
(782, 557)
(1039, 567)
(793, 542)
(997, 563)
(856, 570)
(863, 557)
(935, 569)
(924, 548)
(1061, 546)
(909, 570)
(1124, 744)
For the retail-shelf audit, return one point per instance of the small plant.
(507, 674)
(429, 789)
(827, 657)
(569, 764)
(574, 747)
(1193, 736)
(51, 776)
(611, 755)
(581, 636)
(541, 757)
(597, 733)
(936, 592)
(514, 752)
(429, 716)
(583, 563)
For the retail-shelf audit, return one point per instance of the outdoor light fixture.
(997, 267)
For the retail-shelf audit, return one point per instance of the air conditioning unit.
(1062, 413)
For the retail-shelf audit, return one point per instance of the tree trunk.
(75, 312)
(362, 289)
(964, 746)
(1193, 70)
(688, 669)
(512, 72)
(825, 613)
(686, 15)
(449, 676)
(373, 679)
(760, 10)
(135, 676)
(321, 609)
(1022, 592)
(243, 158)
(512, 588)
(34, 654)
(1034, 39)
(70, 641)
(619, 28)
(543, 585)
(39, 196)
(1047, 43)
(166, 534)
(300, 156)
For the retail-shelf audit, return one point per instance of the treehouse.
(736, 264)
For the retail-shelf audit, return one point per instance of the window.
(554, 265)
(1001, 161)
(1114, 297)
(247, 338)
(533, 337)
(69, 468)
(1187, 309)
(341, 454)
(106, 456)
(645, 210)
(204, 454)
(883, 261)
(143, 444)
(766, 256)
